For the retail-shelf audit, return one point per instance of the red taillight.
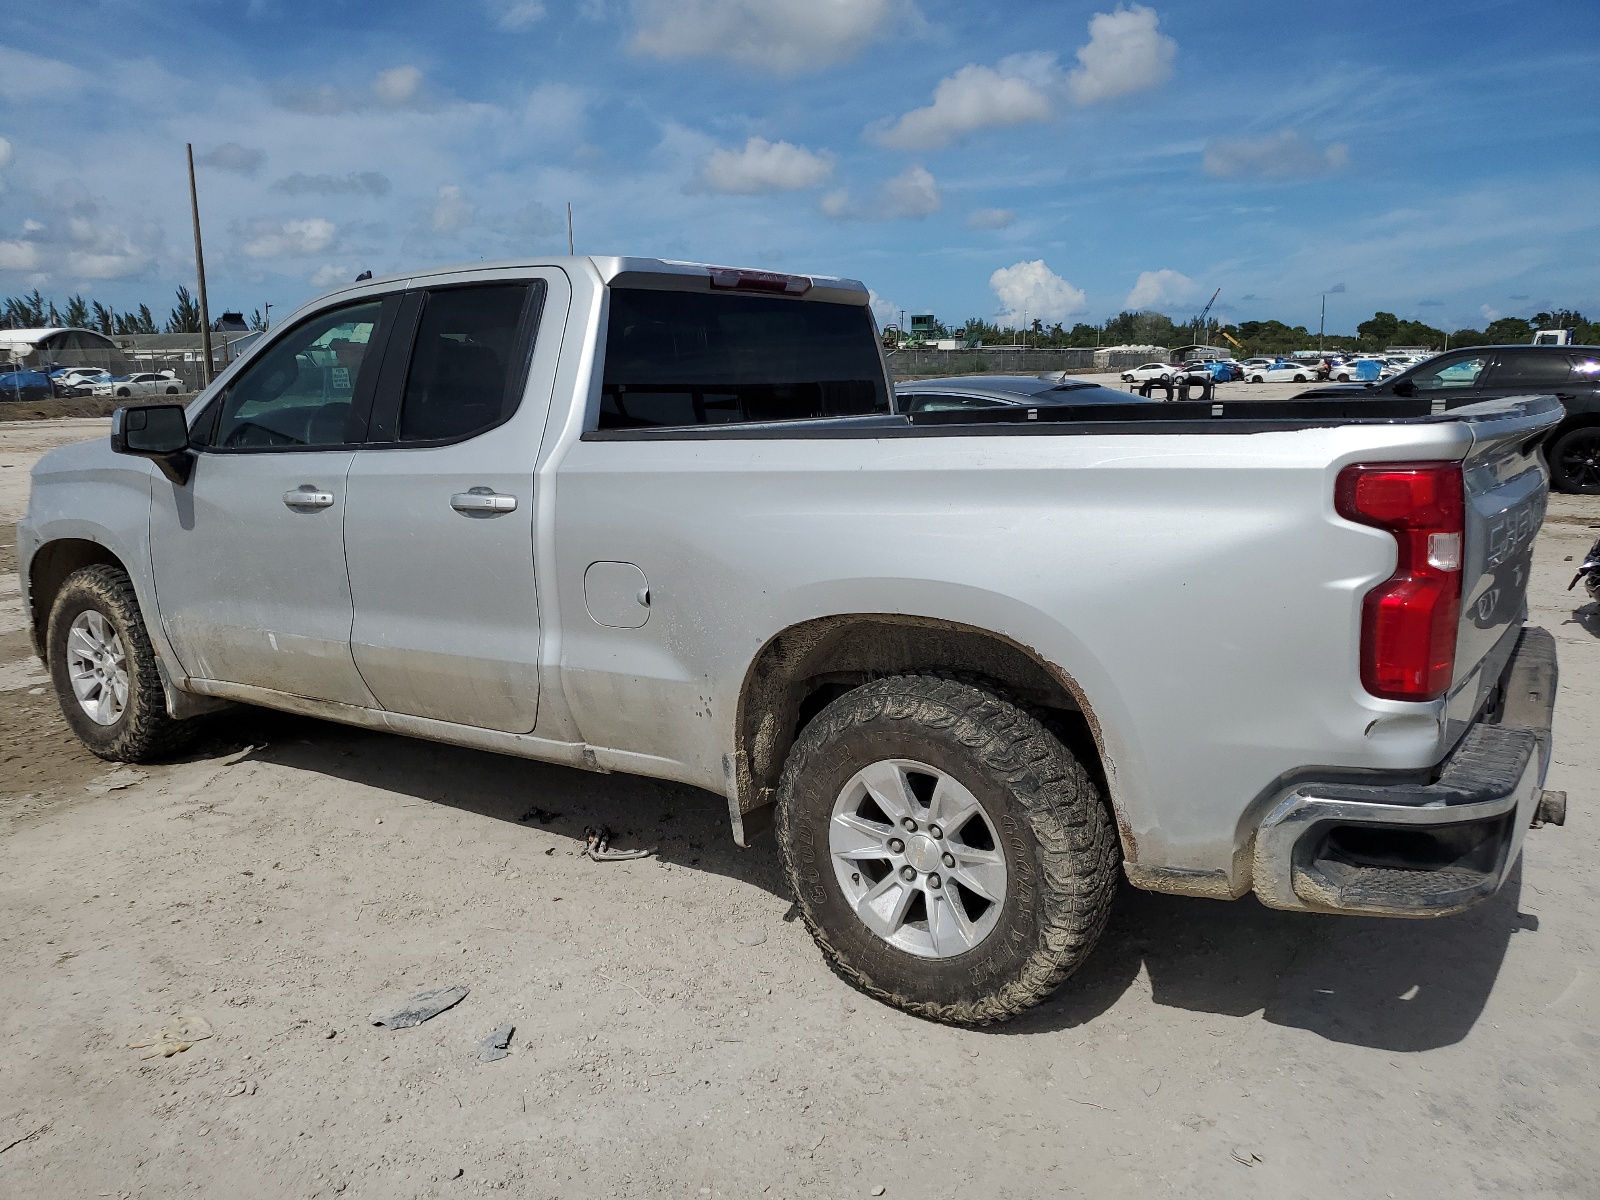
(772, 282)
(1408, 622)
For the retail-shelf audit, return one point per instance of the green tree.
(1507, 331)
(103, 319)
(185, 317)
(77, 314)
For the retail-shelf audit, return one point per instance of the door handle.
(482, 500)
(307, 496)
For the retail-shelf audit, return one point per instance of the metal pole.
(570, 250)
(200, 271)
(1322, 321)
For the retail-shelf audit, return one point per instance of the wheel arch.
(802, 669)
(49, 568)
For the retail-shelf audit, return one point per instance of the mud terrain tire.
(143, 731)
(1060, 845)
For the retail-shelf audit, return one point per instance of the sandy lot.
(676, 1032)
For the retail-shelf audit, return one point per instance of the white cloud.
(515, 15)
(556, 108)
(5, 152)
(452, 211)
(357, 183)
(763, 166)
(1028, 290)
(231, 156)
(1161, 289)
(886, 311)
(25, 76)
(18, 256)
(397, 87)
(1125, 53)
(306, 236)
(912, 194)
(328, 275)
(990, 218)
(785, 36)
(1490, 314)
(1284, 155)
(115, 265)
(1016, 90)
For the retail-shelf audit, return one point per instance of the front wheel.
(949, 855)
(172, 391)
(1574, 459)
(123, 393)
(104, 669)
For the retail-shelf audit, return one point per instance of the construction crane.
(1237, 343)
(1200, 321)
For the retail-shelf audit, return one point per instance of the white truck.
(655, 517)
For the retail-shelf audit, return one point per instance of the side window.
(698, 358)
(1454, 375)
(1531, 369)
(928, 402)
(301, 393)
(466, 372)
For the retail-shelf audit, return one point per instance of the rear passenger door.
(1531, 372)
(440, 503)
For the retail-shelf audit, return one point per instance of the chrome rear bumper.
(1420, 849)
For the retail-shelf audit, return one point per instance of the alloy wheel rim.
(97, 666)
(1581, 461)
(918, 860)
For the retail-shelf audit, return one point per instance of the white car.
(141, 383)
(1282, 372)
(1160, 372)
(79, 381)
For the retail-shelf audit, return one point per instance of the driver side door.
(248, 555)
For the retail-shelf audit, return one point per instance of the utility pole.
(1322, 321)
(200, 271)
(570, 250)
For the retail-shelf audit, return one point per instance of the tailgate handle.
(306, 496)
(482, 500)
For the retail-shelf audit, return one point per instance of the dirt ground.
(677, 1033)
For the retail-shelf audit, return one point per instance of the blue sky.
(1437, 159)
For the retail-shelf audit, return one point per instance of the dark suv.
(1457, 377)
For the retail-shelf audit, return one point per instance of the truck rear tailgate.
(1506, 489)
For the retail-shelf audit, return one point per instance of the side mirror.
(158, 432)
(1404, 387)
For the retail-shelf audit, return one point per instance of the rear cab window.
(686, 359)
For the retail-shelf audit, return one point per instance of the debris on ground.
(539, 815)
(497, 1045)
(422, 1007)
(27, 1137)
(176, 1036)
(597, 845)
(1248, 1157)
(114, 781)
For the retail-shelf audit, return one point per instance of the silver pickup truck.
(661, 518)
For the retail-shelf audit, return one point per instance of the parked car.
(965, 392)
(21, 384)
(632, 515)
(1280, 372)
(140, 383)
(1251, 364)
(1156, 372)
(1460, 377)
(78, 381)
(1358, 370)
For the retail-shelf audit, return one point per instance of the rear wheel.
(123, 393)
(950, 856)
(104, 669)
(1575, 461)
